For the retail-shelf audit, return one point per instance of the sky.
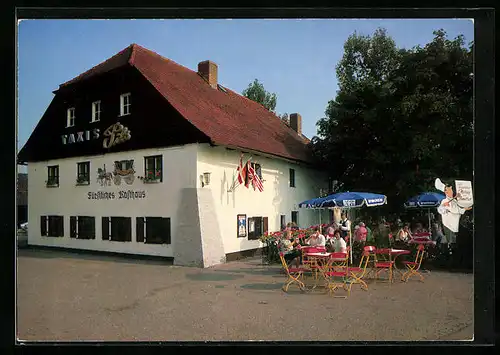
(295, 59)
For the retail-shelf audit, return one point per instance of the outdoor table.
(425, 242)
(321, 260)
(395, 253)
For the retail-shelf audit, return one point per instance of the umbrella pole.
(429, 215)
(350, 235)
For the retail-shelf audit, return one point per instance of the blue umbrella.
(426, 200)
(307, 203)
(353, 200)
(312, 203)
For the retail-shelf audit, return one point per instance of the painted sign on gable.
(115, 134)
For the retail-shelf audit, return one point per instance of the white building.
(140, 115)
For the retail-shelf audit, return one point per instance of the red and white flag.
(255, 179)
(242, 171)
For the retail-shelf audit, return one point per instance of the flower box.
(52, 183)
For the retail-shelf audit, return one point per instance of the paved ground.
(64, 296)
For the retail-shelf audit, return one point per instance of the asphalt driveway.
(66, 296)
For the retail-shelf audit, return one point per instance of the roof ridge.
(95, 67)
(149, 51)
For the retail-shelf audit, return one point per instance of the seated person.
(361, 233)
(292, 255)
(418, 228)
(404, 234)
(316, 239)
(339, 243)
(437, 233)
(330, 231)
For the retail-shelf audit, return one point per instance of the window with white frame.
(125, 104)
(70, 117)
(96, 111)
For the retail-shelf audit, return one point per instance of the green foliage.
(401, 117)
(256, 92)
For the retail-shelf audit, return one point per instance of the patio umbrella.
(425, 200)
(350, 200)
(312, 203)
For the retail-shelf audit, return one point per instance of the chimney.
(208, 70)
(296, 122)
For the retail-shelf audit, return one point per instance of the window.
(295, 217)
(117, 229)
(282, 221)
(292, 177)
(53, 175)
(96, 111)
(125, 104)
(52, 226)
(83, 173)
(153, 230)
(82, 227)
(257, 226)
(257, 169)
(153, 168)
(70, 117)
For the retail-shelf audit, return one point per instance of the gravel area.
(64, 296)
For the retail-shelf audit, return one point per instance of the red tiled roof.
(228, 118)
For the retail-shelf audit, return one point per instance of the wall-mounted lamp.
(205, 179)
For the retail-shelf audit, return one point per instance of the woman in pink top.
(361, 233)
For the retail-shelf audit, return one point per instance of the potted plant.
(82, 180)
(52, 181)
(151, 176)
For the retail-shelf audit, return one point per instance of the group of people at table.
(337, 238)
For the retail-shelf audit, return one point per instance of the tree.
(284, 117)
(401, 117)
(256, 92)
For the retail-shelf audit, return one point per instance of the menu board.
(464, 193)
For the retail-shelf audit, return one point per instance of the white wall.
(278, 198)
(179, 167)
(182, 167)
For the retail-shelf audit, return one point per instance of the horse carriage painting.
(124, 169)
(103, 177)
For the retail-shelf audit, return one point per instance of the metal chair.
(413, 267)
(293, 275)
(383, 265)
(357, 273)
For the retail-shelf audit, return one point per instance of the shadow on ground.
(38, 253)
(213, 277)
(262, 286)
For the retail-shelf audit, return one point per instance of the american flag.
(255, 179)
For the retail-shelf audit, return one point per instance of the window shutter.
(139, 229)
(72, 227)
(60, 226)
(43, 225)
(127, 228)
(258, 227)
(168, 236)
(251, 233)
(105, 228)
(265, 222)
